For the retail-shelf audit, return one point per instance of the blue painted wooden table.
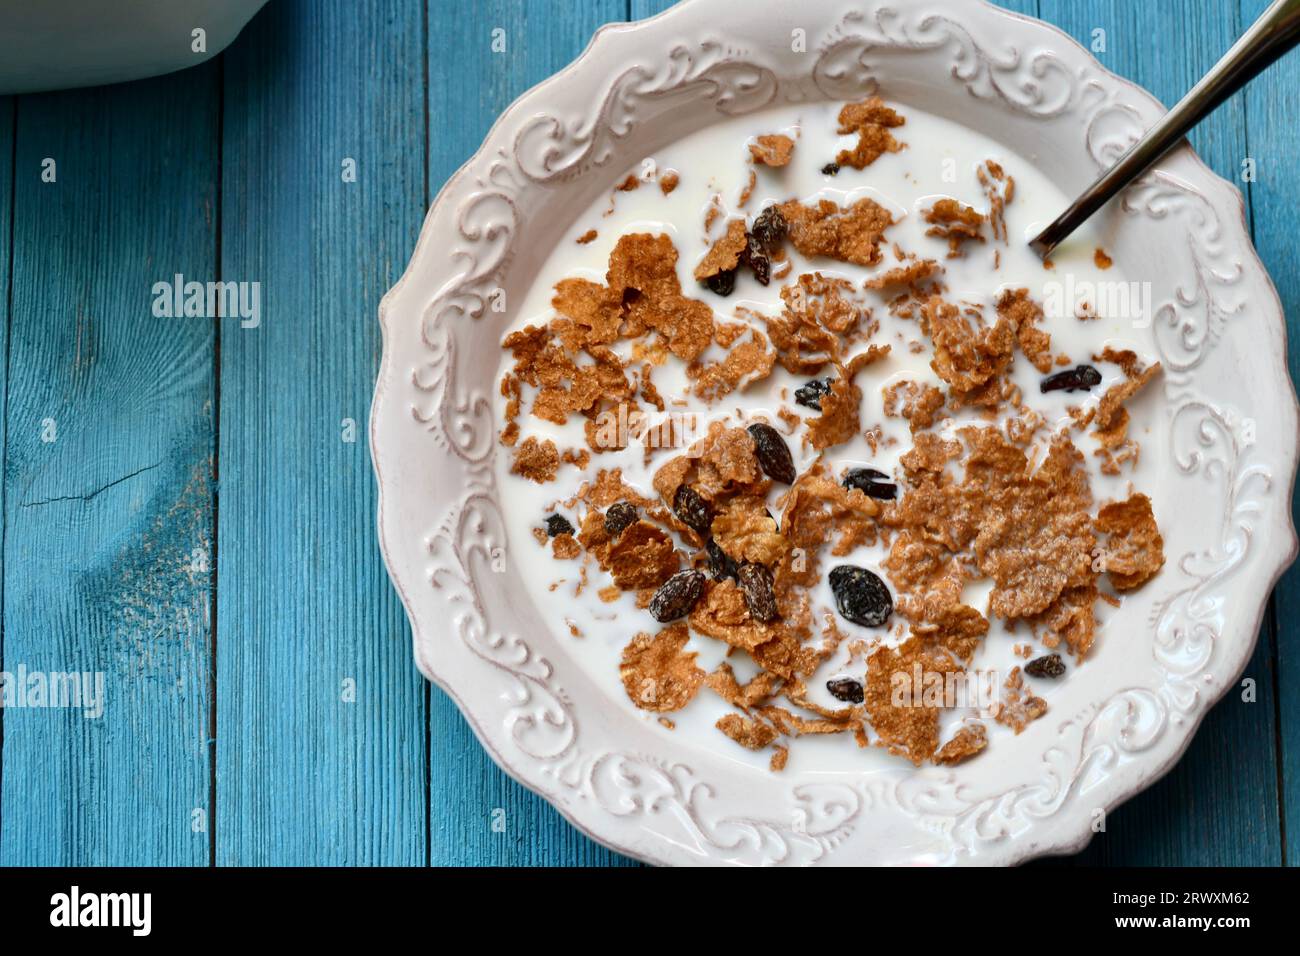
(188, 505)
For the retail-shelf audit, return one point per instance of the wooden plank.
(308, 771)
(7, 117)
(1219, 806)
(107, 477)
(640, 9)
(1028, 7)
(1273, 142)
(540, 37)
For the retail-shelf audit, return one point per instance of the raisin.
(722, 283)
(619, 516)
(756, 583)
(872, 483)
(558, 524)
(810, 394)
(1079, 378)
(677, 596)
(768, 231)
(721, 564)
(830, 169)
(773, 453)
(860, 596)
(1050, 665)
(759, 264)
(692, 510)
(845, 689)
(761, 241)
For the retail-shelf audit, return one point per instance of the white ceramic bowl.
(1228, 465)
(54, 44)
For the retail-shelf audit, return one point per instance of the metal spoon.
(1273, 34)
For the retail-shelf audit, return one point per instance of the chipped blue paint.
(107, 473)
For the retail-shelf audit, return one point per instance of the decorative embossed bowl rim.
(1228, 405)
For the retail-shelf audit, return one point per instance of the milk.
(940, 160)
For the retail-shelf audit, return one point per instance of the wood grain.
(103, 522)
(7, 116)
(1273, 142)
(468, 792)
(309, 772)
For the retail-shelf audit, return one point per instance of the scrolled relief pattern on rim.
(1191, 322)
(457, 421)
(820, 816)
(1038, 84)
(1088, 746)
(540, 721)
(550, 149)
(469, 540)
(1208, 443)
(1208, 440)
(1113, 126)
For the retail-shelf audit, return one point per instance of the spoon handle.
(1273, 34)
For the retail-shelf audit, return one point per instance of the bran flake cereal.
(983, 517)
